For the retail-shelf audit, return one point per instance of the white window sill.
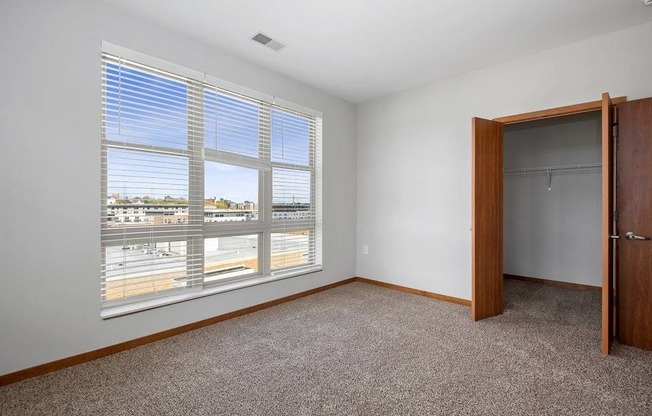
(115, 311)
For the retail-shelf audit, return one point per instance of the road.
(136, 262)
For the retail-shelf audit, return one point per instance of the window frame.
(196, 229)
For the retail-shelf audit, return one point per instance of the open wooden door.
(607, 223)
(487, 222)
(634, 205)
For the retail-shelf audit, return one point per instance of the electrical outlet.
(365, 249)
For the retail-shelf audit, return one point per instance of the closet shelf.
(581, 167)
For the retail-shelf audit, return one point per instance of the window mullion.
(317, 189)
(195, 258)
(265, 189)
(146, 148)
(312, 240)
(265, 251)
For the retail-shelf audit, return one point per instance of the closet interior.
(552, 201)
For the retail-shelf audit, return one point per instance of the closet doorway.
(487, 208)
(552, 202)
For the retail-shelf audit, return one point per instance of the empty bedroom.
(221, 207)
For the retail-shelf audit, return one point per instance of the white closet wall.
(553, 234)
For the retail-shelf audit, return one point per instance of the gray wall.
(554, 234)
(414, 152)
(50, 168)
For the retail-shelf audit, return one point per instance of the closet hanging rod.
(580, 167)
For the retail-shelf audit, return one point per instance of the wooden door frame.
(608, 199)
(586, 107)
(567, 110)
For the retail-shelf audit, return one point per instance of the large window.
(202, 185)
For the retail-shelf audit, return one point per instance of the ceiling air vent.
(269, 42)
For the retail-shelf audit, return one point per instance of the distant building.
(140, 214)
(212, 214)
(236, 205)
(291, 211)
(170, 219)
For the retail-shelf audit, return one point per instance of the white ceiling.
(363, 49)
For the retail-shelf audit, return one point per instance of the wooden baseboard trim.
(405, 289)
(568, 285)
(42, 369)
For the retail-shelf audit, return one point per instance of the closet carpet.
(365, 350)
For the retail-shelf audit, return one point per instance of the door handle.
(631, 236)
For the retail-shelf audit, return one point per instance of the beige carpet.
(364, 350)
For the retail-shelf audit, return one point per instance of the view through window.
(201, 185)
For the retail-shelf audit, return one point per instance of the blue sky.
(149, 109)
(230, 182)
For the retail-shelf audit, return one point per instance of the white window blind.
(294, 154)
(236, 124)
(201, 185)
(151, 238)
